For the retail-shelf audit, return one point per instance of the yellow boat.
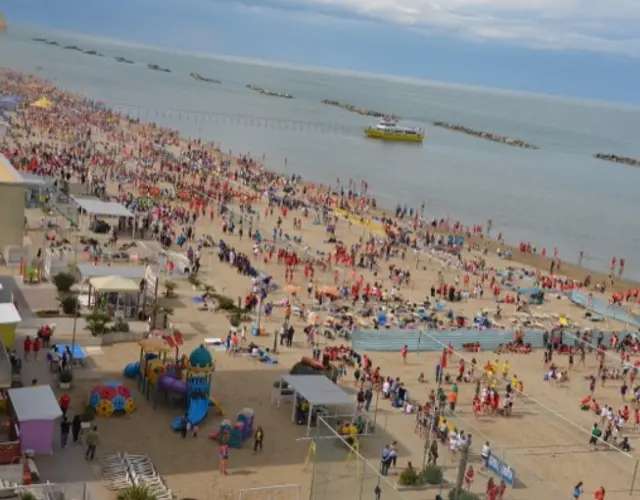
(389, 130)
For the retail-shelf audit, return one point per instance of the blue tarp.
(528, 291)
(603, 308)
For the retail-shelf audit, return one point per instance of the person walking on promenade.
(65, 428)
(76, 427)
(257, 439)
(93, 440)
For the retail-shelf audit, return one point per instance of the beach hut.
(9, 320)
(42, 103)
(35, 409)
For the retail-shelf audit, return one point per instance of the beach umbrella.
(329, 290)
(291, 289)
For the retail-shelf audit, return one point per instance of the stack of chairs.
(124, 470)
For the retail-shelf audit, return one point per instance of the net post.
(633, 479)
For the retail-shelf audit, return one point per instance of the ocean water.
(558, 196)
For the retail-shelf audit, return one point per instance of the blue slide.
(197, 412)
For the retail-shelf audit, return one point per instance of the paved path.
(66, 468)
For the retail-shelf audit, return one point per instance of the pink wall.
(37, 435)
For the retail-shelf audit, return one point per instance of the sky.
(580, 48)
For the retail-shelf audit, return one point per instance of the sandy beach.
(330, 242)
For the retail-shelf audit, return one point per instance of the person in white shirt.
(485, 453)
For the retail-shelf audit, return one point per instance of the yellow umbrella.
(42, 103)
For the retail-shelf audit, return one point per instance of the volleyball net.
(340, 470)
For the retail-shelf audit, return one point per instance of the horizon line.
(411, 80)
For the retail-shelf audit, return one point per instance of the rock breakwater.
(268, 92)
(355, 109)
(487, 136)
(625, 160)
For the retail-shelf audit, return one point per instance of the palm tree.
(97, 322)
(157, 309)
(136, 493)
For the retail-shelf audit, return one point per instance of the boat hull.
(373, 133)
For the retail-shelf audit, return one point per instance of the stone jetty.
(123, 60)
(155, 67)
(200, 78)
(617, 159)
(267, 92)
(355, 109)
(488, 136)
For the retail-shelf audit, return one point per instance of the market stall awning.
(114, 284)
(96, 206)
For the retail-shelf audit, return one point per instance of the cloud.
(594, 25)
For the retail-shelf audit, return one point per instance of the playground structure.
(234, 434)
(111, 397)
(181, 378)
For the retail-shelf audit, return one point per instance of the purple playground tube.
(172, 384)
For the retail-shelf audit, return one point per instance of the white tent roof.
(34, 403)
(95, 206)
(114, 284)
(319, 390)
(91, 271)
(9, 315)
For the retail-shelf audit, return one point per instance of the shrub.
(68, 303)
(409, 477)
(225, 303)
(432, 474)
(136, 493)
(235, 320)
(27, 495)
(194, 280)
(64, 281)
(463, 495)
(65, 377)
(170, 289)
(97, 323)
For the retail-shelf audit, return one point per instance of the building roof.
(34, 403)
(318, 390)
(8, 174)
(95, 206)
(33, 180)
(9, 315)
(91, 271)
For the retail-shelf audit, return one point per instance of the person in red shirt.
(65, 401)
(403, 352)
(35, 346)
(28, 343)
(468, 477)
(599, 494)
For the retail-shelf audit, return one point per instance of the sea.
(558, 196)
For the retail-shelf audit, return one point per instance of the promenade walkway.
(78, 478)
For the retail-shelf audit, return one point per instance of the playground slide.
(172, 384)
(196, 413)
(132, 370)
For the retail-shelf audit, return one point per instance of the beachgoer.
(65, 428)
(76, 427)
(257, 439)
(92, 440)
(223, 454)
(577, 490)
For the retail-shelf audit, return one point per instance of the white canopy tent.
(114, 284)
(126, 291)
(97, 207)
(318, 390)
